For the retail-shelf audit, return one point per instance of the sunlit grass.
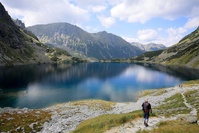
(105, 122)
(191, 83)
(153, 92)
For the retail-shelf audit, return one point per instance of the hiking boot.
(145, 123)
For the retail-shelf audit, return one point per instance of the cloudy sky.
(144, 21)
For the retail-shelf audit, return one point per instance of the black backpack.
(146, 107)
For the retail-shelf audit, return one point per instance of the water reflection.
(38, 86)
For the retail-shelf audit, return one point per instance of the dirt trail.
(193, 110)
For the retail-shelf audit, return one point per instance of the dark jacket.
(146, 107)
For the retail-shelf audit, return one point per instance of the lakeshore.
(66, 117)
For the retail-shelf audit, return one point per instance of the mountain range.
(149, 46)
(184, 53)
(19, 46)
(101, 45)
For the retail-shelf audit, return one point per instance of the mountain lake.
(39, 86)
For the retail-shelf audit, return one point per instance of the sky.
(144, 21)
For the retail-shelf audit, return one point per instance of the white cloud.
(88, 3)
(172, 36)
(147, 35)
(192, 23)
(46, 11)
(98, 8)
(130, 39)
(90, 29)
(174, 32)
(144, 10)
(106, 21)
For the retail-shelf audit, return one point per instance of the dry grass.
(23, 121)
(95, 104)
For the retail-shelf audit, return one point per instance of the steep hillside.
(17, 46)
(184, 53)
(149, 46)
(100, 45)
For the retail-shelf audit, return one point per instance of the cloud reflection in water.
(51, 84)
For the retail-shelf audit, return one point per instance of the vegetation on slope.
(23, 121)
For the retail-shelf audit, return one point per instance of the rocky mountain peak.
(20, 24)
(149, 46)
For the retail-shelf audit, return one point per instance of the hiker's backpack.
(146, 107)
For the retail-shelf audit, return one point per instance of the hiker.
(146, 107)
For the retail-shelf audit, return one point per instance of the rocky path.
(138, 125)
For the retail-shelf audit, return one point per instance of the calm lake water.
(38, 86)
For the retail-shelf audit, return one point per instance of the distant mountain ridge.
(149, 46)
(184, 53)
(78, 42)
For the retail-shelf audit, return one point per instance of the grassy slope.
(105, 122)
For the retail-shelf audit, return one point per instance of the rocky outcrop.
(20, 24)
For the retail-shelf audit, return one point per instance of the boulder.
(192, 119)
(188, 118)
